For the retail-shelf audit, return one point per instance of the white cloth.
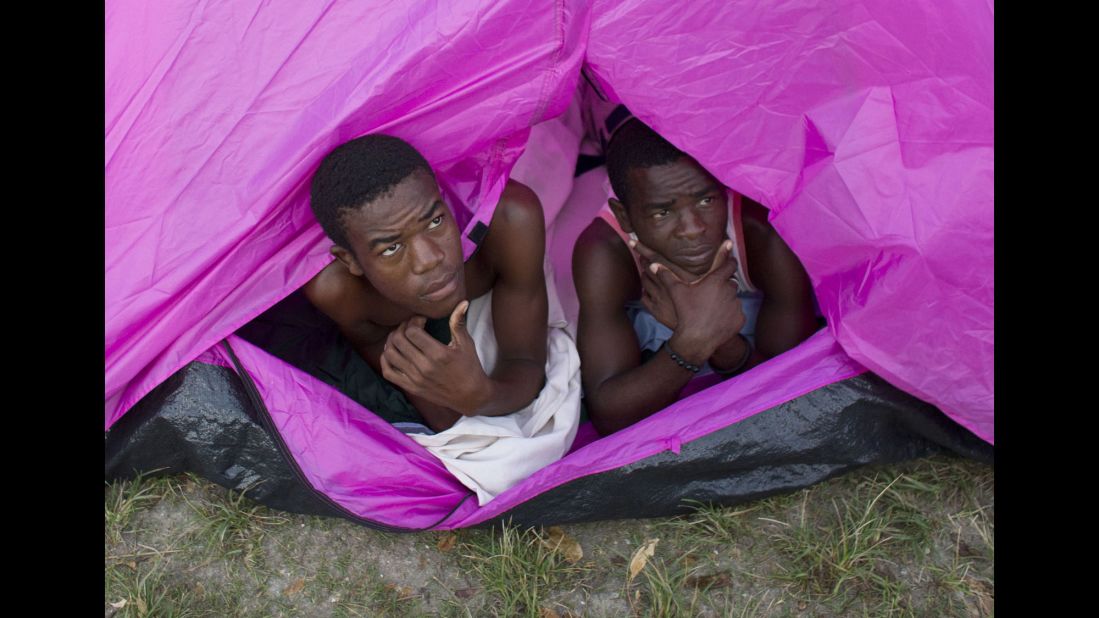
(490, 454)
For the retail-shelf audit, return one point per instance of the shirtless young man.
(652, 318)
(399, 264)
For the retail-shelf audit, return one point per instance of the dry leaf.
(465, 593)
(294, 587)
(717, 580)
(141, 607)
(641, 557)
(132, 564)
(802, 605)
(447, 542)
(548, 612)
(403, 593)
(985, 597)
(199, 589)
(559, 541)
(119, 604)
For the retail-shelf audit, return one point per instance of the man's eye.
(436, 222)
(706, 201)
(660, 214)
(391, 249)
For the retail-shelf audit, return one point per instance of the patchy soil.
(912, 539)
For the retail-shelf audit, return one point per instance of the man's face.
(409, 248)
(678, 210)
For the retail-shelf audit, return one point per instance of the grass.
(137, 593)
(232, 526)
(912, 539)
(124, 498)
(518, 568)
(667, 592)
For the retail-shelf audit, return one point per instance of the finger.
(458, 323)
(394, 375)
(650, 282)
(650, 287)
(404, 354)
(643, 251)
(423, 340)
(418, 321)
(657, 295)
(726, 270)
(721, 256)
(393, 360)
(648, 257)
(665, 274)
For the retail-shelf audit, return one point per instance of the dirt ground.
(914, 539)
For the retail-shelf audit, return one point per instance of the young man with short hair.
(679, 277)
(399, 264)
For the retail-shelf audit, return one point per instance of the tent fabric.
(864, 126)
(373, 470)
(217, 115)
(201, 420)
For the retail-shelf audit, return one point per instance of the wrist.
(733, 356)
(729, 353)
(690, 347)
(480, 395)
(679, 360)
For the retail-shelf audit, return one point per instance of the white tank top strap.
(735, 231)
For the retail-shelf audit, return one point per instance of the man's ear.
(619, 210)
(348, 259)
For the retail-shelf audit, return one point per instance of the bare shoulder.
(339, 295)
(602, 266)
(516, 241)
(520, 211)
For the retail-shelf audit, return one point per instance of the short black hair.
(635, 145)
(355, 174)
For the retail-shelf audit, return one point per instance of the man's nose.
(426, 255)
(690, 225)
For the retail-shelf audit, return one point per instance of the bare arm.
(620, 390)
(786, 315)
(516, 244)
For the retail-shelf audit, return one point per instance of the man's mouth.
(698, 256)
(440, 289)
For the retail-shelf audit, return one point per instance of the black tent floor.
(201, 421)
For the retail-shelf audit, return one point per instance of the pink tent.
(866, 127)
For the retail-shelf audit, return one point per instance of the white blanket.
(490, 454)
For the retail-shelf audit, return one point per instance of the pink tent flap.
(374, 471)
(216, 117)
(865, 126)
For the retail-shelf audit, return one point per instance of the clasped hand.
(704, 311)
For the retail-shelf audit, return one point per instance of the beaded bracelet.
(679, 360)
